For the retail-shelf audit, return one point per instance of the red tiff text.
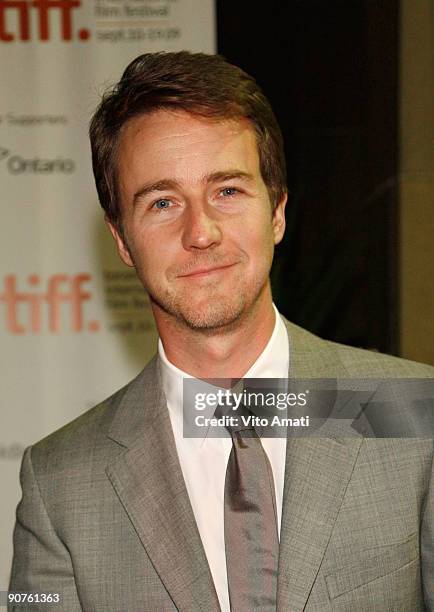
(19, 12)
(62, 301)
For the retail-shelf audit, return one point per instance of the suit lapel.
(317, 473)
(149, 483)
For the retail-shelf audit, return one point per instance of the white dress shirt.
(203, 460)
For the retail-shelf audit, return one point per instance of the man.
(119, 510)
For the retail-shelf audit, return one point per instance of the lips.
(204, 270)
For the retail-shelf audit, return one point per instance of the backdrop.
(74, 322)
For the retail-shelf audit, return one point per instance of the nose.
(201, 230)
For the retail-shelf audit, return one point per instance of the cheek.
(258, 237)
(259, 248)
(152, 257)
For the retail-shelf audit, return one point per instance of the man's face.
(197, 218)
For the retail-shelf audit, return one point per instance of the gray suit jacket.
(105, 518)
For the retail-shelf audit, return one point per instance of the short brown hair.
(205, 85)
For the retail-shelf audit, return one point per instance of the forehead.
(182, 146)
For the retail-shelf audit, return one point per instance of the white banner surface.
(75, 324)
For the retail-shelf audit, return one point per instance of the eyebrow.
(229, 175)
(163, 185)
(214, 177)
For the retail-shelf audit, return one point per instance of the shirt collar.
(273, 362)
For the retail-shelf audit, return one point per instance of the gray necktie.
(251, 538)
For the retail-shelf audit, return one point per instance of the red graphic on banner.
(61, 289)
(22, 10)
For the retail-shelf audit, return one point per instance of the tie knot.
(239, 421)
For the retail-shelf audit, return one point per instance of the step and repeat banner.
(75, 324)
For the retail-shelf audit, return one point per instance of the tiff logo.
(61, 289)
(21, 11)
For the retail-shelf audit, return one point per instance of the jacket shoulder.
(84, 437)
(370, 363)
(332, 357)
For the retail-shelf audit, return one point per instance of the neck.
(222, 353)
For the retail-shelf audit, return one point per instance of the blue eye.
(229, 191)
(162, 204)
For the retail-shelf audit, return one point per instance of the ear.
(123, 250)
(279, 219)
